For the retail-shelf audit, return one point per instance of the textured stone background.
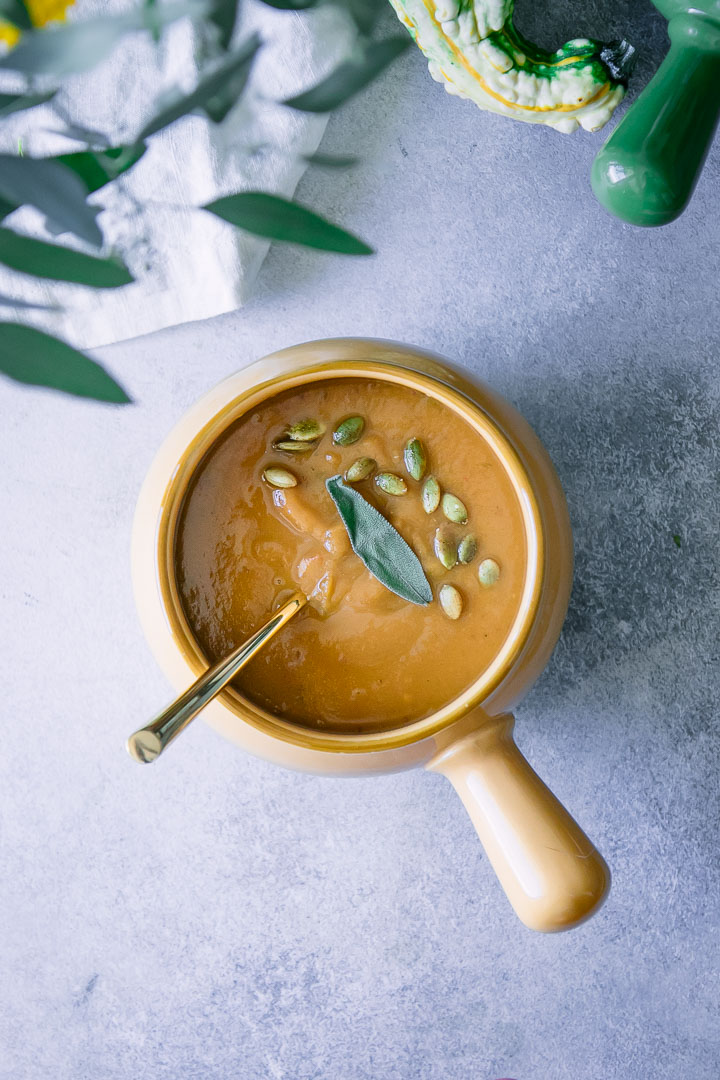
(213, 917)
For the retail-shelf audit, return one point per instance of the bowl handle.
(552, 874)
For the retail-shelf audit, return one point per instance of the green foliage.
(31, 356)
(214, 95)
(25, 305)
(59, 186)
(350, 76)
(96, 168)
(224, 15)
(58, 263)
(54, 190)
(15, 12)
(78, 47)
(279, 219)
(10, 103)
(291, 5)
(331, 161)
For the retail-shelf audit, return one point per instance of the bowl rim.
(255, 392)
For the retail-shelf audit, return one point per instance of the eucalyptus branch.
(59, 186)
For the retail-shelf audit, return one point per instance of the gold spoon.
(150, 741)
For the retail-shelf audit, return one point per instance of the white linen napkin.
(187, 263)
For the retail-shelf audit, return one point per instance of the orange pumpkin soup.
(357, 657)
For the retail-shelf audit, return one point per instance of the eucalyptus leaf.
(380, 546)
(224, 15)
(350, 76)
(53, 189)
(94, 167)
(291, 5)
(29, 305)
(154, 31)
(10, 103)
(278, 219)
(16, 12)
(98, 167)
(79, 46)
(78, 133)
(215, 93)
(329, 161)
(34, 357)
(44, 260)
(364, 12)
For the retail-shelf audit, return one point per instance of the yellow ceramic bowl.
(551, 872)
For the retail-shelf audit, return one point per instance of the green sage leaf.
(44, 260)
(54, 190)
(79, 46)
(31, 356)
(379, 546)
(278, 219)
(10, 103)
(16, 12)
(350, 76)
(215, 93)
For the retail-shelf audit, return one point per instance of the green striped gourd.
(476, 51)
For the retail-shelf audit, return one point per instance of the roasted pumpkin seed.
(349, 431)
(290, 447)
(467, 548)
(454, 509)
(451, 601)
(430, 495)
(445, 548)
(306, 431)
(415, 458)
(279, 478)
(360, 469)
(488, 573)
(390, 483)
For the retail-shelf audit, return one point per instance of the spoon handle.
(647, 170)
(150, 741)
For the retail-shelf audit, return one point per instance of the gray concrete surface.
(216, 918)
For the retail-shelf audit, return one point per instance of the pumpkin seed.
(415, 458)
(306, 431)
(430, 495)
(279, 478)
(453, 509)
(445, 548)
(360, 469)
(451, 601)
(390, 483)
(349, 431)
(467, 548)
(290, 447)
(488, 573)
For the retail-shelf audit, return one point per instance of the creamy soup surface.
(357, 657)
